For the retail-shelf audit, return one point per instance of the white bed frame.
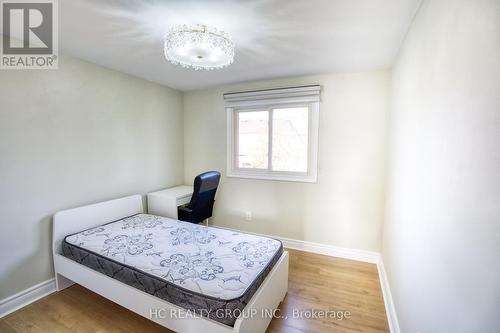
(267, 298)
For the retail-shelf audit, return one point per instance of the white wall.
(442, 231)
(345, 207)
(74, 136)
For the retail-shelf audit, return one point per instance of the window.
(273, 134)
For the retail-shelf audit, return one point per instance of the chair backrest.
(202, 201)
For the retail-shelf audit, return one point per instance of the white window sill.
(277, 177)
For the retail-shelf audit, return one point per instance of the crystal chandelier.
(199, 47)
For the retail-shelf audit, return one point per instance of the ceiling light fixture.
(199, 47)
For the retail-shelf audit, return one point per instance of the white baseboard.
(390, 309)
(25, 297)
(330, 250)
(327, 250)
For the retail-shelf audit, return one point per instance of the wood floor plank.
(316, 282)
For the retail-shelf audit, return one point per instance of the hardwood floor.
(315, 282)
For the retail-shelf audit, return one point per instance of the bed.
(185, 277)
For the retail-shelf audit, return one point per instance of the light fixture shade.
(199, 47)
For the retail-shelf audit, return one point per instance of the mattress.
(213, 272)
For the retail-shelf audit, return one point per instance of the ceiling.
(274, 38)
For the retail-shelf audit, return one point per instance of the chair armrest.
(185, 209)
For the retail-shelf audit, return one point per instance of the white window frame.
(267, 100)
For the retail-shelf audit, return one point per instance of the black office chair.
(202, 202)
